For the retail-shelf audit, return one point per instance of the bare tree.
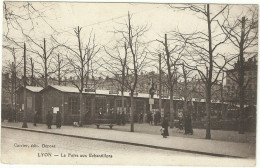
(131, 37)
(61, 67)
(24, 16)
(45, 55)
(188, 86)
(79, 59)
(32, 83)
(203, 54)
(173, 57)
(21, 19)
(13, 67)
(25, 92)
(243, 34)
(116, 64)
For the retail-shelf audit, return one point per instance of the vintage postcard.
(139, 84)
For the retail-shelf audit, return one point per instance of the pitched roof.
(69, 89)
(34, 88)
(65, 88)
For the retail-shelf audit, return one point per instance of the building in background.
(250, 80)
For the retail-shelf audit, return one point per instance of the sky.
(102, 19)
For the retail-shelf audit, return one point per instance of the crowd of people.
(120, 118)
(153, 118)
(49, 118)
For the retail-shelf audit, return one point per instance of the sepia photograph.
(129, 83)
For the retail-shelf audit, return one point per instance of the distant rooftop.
(70, 89)
(34, 88)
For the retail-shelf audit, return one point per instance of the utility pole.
(32, 71)
(160, 87)
(45, 64)
(24, 93)
(12, 90)
(241, 79)
(15, 85)
(59, 69)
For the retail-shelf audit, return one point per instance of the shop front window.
(73, 105)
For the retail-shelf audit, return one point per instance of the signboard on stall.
(151, 101)
(55, 110)
(162, 112)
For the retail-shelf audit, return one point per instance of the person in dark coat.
(123, 118)
(165, 127)
(35, 118)
(119, 118)
(49, 118)
(187, 124)
(149, 118)
(157, 118)
(141, 116)
(58, 120)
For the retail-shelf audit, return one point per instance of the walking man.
(123, 118)
(58, 120)
(165, 127)
(49, 118)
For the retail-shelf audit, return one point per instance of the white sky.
(102, 18)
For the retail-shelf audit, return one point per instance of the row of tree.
(180, 55)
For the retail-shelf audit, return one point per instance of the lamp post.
(24, 93)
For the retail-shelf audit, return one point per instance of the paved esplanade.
(200, 146)
(68, 150)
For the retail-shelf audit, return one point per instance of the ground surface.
(73, 147)
(231, 136)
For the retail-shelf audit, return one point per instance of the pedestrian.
(141, 116)
(14, 115)
(111, 114)
(187, 124)
(49, 118)
(58, 120)
(165, 127)
(149, 117)
(123, 118)
(157, 118)
(100, 115)
(35, 119)
(153, 117)
(119, 118)
(180, 122)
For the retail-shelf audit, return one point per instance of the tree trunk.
(15, 101)
(122, 99)
(32, 73)
(59, 70)
(12, 89)
(132, 111)
(208, 111)
(185, 113)
(24, 93)
(222, 98)
(45, 64)
(160, 87)
(209, 74)
(81, 109)
(171, 108)
(170, 81)
(241, 80)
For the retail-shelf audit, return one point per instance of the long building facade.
(66, 100)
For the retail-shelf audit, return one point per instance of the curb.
(124, 142)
